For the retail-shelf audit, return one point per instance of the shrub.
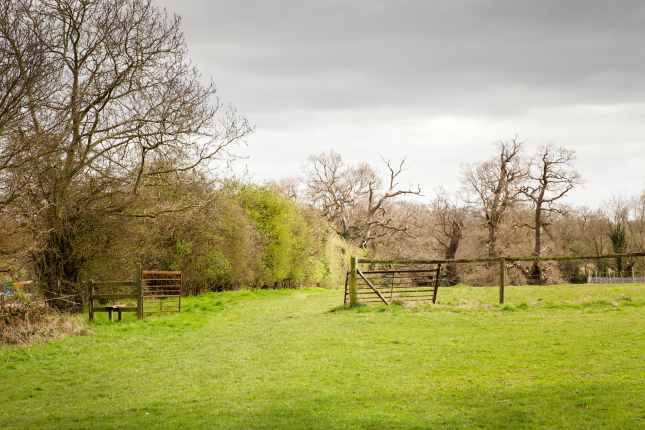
(25, 322)
(287, 238)
(572, 271)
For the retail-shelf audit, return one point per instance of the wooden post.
(436, 284)
(90, 288)
(353, 296)
(346, 291)
(502, 279)
(140, 299)
(181, 290)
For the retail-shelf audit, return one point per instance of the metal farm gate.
(161, 291)
(392, 282)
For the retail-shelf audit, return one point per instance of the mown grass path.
(558, 357)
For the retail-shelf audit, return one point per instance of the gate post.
(140, 293)
(353, 297)
(436, 285)
(502, 279)
(90, 294)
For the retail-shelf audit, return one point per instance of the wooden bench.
(119, 309)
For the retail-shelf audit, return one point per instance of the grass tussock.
(31, 323)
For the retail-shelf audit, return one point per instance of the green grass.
(554, 357)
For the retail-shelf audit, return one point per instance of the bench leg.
(110, 314)
(119, 311)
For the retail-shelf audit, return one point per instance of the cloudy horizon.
(436, 82)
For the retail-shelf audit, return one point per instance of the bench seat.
(119, 309)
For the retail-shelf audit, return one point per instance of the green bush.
(286, 236)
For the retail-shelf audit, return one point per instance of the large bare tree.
(354, 198)
(496, 186)
(448, 221)
(22, 79)
(550, 177)
(123, 104)
(331, 188)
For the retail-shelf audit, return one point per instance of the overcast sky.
(438, 82)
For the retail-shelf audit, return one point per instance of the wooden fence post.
(90, 294)
(346, 290)
(140, 299)
(502, 279)
(181, 290)
(353, 296)
(436, 285)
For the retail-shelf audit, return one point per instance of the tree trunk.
(451, 269)
(58, 271)
(451, 274)
(536, 277)
(492, 241)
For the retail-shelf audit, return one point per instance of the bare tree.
(550, 177)
(331, 189)
(123, 104)
(496, 186)
(377, 221)
(354, 198)
(21, 79)
(449, 218)
(591, 230)
(290, 187)
(618, 229)
(637, 222)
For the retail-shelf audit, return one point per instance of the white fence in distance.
(616, 278)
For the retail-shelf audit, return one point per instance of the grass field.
(555, 357)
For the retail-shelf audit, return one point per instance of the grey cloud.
(459, 55)
(437, 81)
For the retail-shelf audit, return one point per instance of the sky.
(435, 82)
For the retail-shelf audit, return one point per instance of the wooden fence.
(361, 288)
(152, 292)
